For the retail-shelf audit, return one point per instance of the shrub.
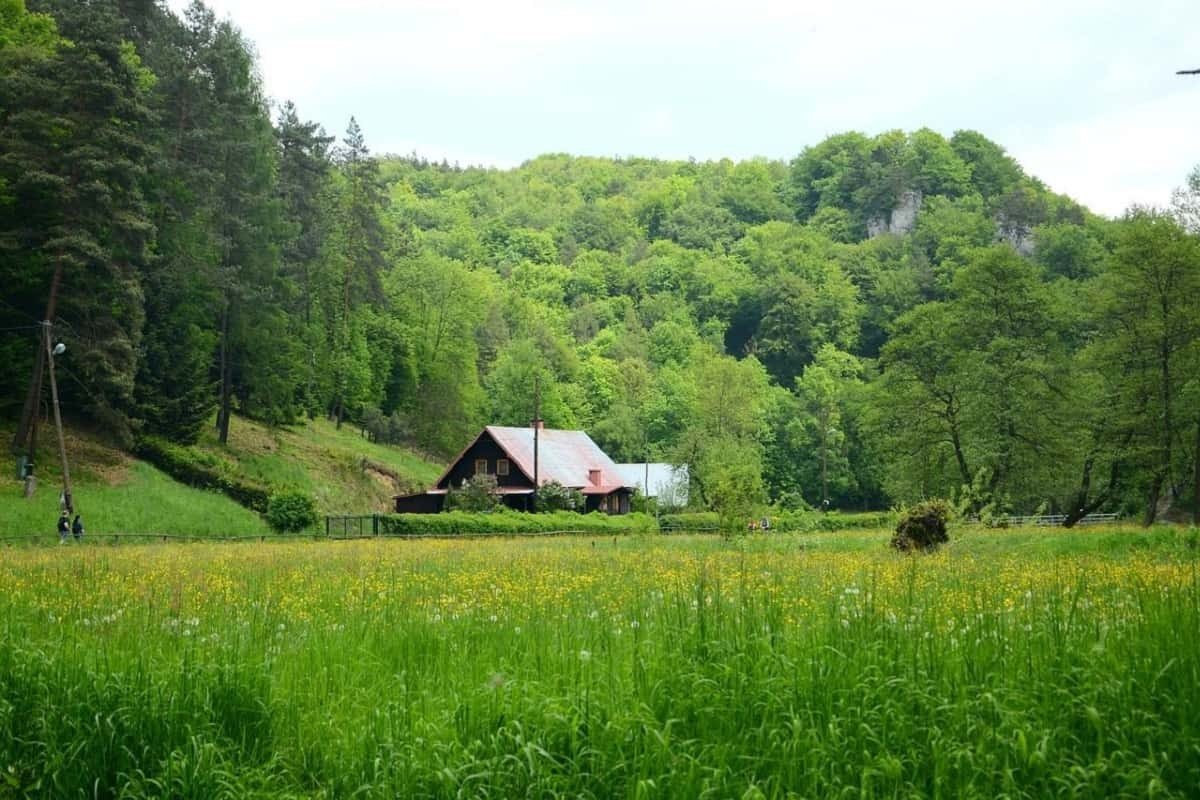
(476, 495)
(922, 527)
(553, 496)
(200, 471)
(290, 512)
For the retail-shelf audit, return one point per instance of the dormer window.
(594, 477)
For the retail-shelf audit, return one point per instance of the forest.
(881, 319)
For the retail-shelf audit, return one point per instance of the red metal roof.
(497, 490)
(564, 456)
(568, 457)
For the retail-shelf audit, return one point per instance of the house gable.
(570, 458)
(487, 452)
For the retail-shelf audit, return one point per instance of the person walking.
(64, 527)
(77, 528)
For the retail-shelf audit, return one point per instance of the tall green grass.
(784, 666)
(144, 501)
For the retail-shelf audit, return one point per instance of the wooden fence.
(1050, 520)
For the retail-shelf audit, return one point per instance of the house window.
(481, 466)
(502, 466)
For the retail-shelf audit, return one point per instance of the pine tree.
(75, 150)
(361, 256)
(304, 175)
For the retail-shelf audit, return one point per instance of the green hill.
(339, 468)
(117, 493)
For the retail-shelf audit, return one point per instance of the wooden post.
(62, 444)
(537, 428)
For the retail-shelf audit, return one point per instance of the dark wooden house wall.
(420, 504)
(486, 448)
(618, 502)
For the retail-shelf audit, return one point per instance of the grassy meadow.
(1010, 664)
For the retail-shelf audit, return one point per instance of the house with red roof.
(521, 458)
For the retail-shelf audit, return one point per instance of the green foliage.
(476, 495)
(1152, 347)
(808, 521)
(464, 522)
(195, 470)
(922, 527)
(691, 521)
(553, 496)
(29, 34)
(291, 512)
(251, 269)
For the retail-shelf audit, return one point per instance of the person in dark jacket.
(77, 528)
(64, 527)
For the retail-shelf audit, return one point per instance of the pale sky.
(1081, 92)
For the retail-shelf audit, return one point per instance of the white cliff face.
(1017, 235)
(903, 217)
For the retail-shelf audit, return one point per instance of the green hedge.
(461, 522)
(691, 521)
(784, 521)
(816, 522)
(201, 473)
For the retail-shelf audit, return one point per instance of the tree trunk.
(951, 418)
(824, 466)
(1152, 501)
(1082, 506)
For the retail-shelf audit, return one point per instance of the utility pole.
(25, 438)
(537, 429)
(68, 503)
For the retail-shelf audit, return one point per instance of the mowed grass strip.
(1018, 664)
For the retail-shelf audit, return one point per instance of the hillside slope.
(117, 493)
(340, 469)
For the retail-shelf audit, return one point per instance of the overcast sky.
(1082, 92)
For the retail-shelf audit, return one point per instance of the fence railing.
(1053, 520)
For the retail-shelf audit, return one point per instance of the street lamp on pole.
(51, 352)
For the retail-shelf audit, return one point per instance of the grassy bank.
(143, 500)
(1016, 663)
(117, 493)
(342, 471)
